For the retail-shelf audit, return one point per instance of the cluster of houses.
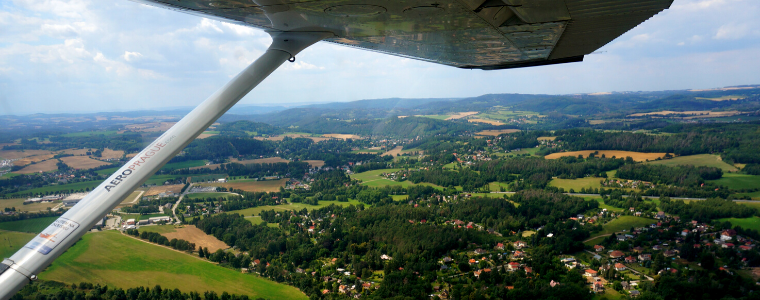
(623, 183)
(131, 223)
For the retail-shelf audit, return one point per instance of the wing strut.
(24, 265)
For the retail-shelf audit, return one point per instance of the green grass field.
(11, 241)
(158, 228)
(109, 258)
(160, 179)
(625, 223)
(9, 175)
(707, 160)
(746, 223)
(437, 117)
(373, 179)
(184, 165)
(495, 186)
(399, 197)
(602, 205)
(60, 188)
(89, 133)
(736, 181)
(210, 195)
(257, 220)
(28, 225)
(576, 184)
(108, 171)
(595, 241)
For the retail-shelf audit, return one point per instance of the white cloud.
(732, 31)
(129, 56)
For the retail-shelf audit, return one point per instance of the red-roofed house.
(590, 273)
(630, 259)
(513, 266)
(598, 248)
(617, 254)
(619, 267)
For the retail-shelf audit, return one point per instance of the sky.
(62, 56)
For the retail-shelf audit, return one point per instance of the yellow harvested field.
(45, 166)
(155, 190)
(131, 155)
(315, 163)
(292, 135)
(724, 98)
(150, 127)
(462, 115)
(394, 151)
(637, 156)
(546, 138)
(28, 160)
(691, 114)
(342, 136)
(268, 160)
(497, 132)
(252, 185)
(194, 235)
(76, 151)
(492, 122)
(16, 154)
(82, 162)
(112, 154)
(205, 135)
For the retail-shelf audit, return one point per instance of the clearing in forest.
(393, 152)
(250, 185)
(462, 115)
(491, 122)
(637, 156)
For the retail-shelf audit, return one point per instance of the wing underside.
(478, 34)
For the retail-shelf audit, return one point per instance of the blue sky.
(95, 55)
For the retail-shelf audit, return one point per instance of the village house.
(619, 267)
(590, 273)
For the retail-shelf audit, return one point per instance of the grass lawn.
(60, 188)
(29, 225)
(602, 205)
(450, 166)
(707, 160)
(108, 171)
(595, 241)
(625, 223)
(746, 223)
(531, 151)
(751, 204)
(737, 181)
(9, 175)
(576, 184)
(160, 179)
(109, 258)
(257, 220)
(11, 241)
(210, 195)
(399, 197)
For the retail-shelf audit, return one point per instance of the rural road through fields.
(174, 208)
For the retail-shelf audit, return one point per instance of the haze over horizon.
(59, 56)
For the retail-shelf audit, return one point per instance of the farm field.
(497, 132)
(30, 159)
(437, 117)
(315, 163)
(210, 195)
(576, 184)
(160, 179)
(461, 115)
(342, 136)
(746, 223)
(737, 181)
(690, 114)
(29, 225)
(16, 154)
(495, 186)
(109, 258)
(256, 220)
(111, 154)
(601, 203)
(184, 165)
(250, 185)
(194, 235)
(706, 160)
(11, 241)
(637, 156)
(394, 152)
(63, 187)
(546, 138)
(44, 166)
(254, 211)
(155, 190)
(485, 121)
(82, 162)
(18, 203)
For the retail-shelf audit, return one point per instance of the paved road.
(174, 208)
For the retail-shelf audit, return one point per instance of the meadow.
(29, 225)
(576, 184)
(625, 223)
(11, 241)
(251, 185)
(184, 165)
(746, 223)
(109, 258)
(210, 195)
(18, 203)
(139, 217)
(373, 179)
(707, 160)
(736, 181)
(254, 211)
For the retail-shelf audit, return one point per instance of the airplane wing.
(475, 34)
